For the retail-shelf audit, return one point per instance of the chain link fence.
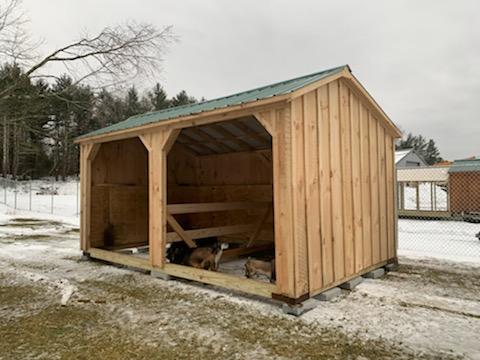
(439, 211)
(438, 208)
(47, 196)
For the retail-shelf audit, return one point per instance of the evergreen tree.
(132, 103)
(39, 120)
(182, 99)
(158, 98)
(432, 154)
(426, 149)
(108, 109)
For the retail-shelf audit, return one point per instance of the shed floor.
(232, 267)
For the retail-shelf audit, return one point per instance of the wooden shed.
(464, 186)
(303, 169)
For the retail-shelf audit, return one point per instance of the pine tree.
(158, 98)
(432, 154)
(132, 103)
(182, 98)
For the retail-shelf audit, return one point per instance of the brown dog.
(254, 267)
(206, 258)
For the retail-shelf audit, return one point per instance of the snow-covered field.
(449, 240)
(42, 196)
(52, 305)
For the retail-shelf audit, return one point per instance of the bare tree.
(116, 54)
(112, 56)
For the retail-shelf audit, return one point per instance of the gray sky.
(419, 59)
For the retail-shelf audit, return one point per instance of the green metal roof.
(465, 166)
(264, 92)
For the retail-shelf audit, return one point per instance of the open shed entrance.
(220, 192)
(119, 193)
(219, 187)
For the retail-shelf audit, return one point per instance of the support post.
(87, 155)
(158, 145)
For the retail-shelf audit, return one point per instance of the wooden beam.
(120, 258)
(259, 226)
(180, 231)
(242, 251)
(215, 206)
(158, 145)
(88, 152)
(233, 282)
(213, 231)
(266, 119)
(224, 280)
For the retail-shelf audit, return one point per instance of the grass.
(119, 315)
(171, 324)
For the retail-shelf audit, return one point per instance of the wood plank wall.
(242, 176)
(343, 186)
(119, 201)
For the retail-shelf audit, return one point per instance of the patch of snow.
(449, 240)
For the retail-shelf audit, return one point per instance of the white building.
(408, 158)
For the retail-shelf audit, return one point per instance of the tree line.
(40, 120)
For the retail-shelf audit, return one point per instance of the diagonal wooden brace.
(180, 231)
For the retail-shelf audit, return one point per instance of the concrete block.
(391, 267)
(85, 256)
(375, 274)
(351, 284)
(160, 275)
(329, 294)
(299, 309)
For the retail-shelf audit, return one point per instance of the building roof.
(465, 165)
(423, 173)
(400, 154)
(264, 92)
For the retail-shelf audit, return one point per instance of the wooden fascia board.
(208, 117)
(319, 83)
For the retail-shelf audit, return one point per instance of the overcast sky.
(419, 59)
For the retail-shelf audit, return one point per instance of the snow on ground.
(42, 196)
(428, 308)
(449, 240)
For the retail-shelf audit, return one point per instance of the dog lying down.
(254, 268)
(206, 256)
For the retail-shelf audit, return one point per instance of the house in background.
(408, 158)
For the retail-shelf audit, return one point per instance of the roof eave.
(135, 131)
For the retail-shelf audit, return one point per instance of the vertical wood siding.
(343, 186)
